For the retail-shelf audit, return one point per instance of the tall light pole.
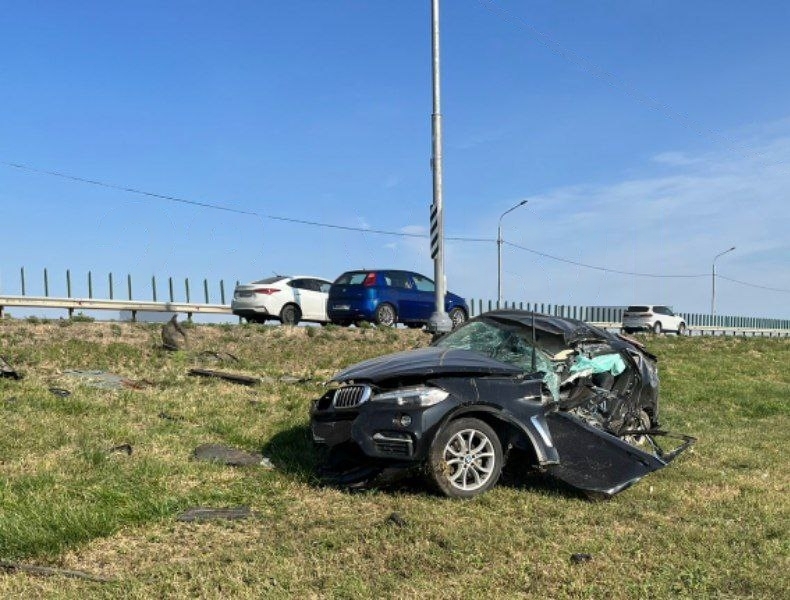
(439, 322)
(713, 282)
(499, 253)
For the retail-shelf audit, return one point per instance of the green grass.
(714, 524)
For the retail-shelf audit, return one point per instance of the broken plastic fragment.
(229, 456)
(202, 513)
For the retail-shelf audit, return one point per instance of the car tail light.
(370, 280)
(266, 291)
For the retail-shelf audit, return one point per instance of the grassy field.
(714, 524)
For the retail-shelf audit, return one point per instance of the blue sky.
(647, 136)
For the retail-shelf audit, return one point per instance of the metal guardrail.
(190, 308)
(699, 323)
(134, 306)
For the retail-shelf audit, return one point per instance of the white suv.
(653, 318)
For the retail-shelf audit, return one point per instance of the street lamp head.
(722, 253)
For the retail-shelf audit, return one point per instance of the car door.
(310, 299)
(669, 319)
(424, 293)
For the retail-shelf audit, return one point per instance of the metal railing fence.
(612, 316)
(187, 299)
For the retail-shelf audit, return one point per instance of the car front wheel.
(465, 458)
(385, 315)
(657, 327)
(682, 329)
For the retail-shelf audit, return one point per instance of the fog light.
(404, 421)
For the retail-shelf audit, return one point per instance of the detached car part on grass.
(559, 394)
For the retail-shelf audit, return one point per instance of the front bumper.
(379, 431)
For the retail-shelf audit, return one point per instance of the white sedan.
(286, 299)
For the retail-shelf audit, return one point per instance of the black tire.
(682, 329)
(414, 325)
(290, 315)
(458, 317)
(465, 458)
(657, 327)
(385, 315)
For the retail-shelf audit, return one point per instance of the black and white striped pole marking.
(434, 232)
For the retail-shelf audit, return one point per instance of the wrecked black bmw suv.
(568, 398)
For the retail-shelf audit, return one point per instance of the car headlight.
(413, 396)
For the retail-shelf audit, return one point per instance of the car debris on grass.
(230, 456)
(104, 380)
(202, 513)
(6, 370)
(232, 377)
(10, 567)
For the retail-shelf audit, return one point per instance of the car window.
(300, 284)
(637, 309)
(323, 287)
(662, 310)
(423, 284)
(351, 278)
(502, 342)
(398, 279)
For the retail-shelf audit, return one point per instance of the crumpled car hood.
(425, 361)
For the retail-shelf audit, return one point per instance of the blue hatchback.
(388, 297)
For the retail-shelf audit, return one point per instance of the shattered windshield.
(506, 342)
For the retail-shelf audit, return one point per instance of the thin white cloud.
(673, 223)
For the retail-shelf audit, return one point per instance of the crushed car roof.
(572, 330)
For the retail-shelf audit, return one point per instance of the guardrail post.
(22, 277)
(222, 291)
(68, 283)
(90, 285)
(129, 285)
(170, 285)
(153, 286)
(186, 289)
(109, 281)
(46, 284)
(205, 289)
